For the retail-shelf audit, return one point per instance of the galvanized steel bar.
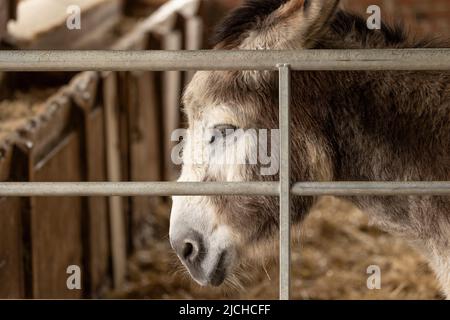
(59, 189)
(136, 188)
(110, 60)
(349, 188)
(285, 181)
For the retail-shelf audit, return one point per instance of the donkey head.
(232, 121)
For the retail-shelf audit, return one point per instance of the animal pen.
(160, 60)
(27, 152)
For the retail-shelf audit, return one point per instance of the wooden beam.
(117, 222)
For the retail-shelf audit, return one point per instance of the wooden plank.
(193, 41)
(147, 146)
(171, 103)
(38, 141)
(143, 135)
(11, 265)
(83, 90)
(117, 222)
(95, 228)
(56, 223)
(123, 123)
(145, 149)
(98, 249)
(11, 248)
(123, 145)
(39, 136)
(13, 8)
(7, 12)
(4, 16)
(142, 8)
(160, 22)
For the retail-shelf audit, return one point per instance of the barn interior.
(116, 126)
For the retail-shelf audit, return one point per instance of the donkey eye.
(223, 129)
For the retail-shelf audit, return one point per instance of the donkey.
(346, 126)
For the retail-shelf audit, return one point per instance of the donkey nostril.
(188, 251)
(190, 248)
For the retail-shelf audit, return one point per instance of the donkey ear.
(275, 24)
(317, 15)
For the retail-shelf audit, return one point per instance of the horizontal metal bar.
(25, 189)
(135, 188)
(109, 60)
(371, 188)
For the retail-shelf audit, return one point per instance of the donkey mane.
(346, 30)
(244, 18)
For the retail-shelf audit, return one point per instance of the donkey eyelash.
(224, 129)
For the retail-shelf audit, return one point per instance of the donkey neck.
(380, 125)
(376, 122)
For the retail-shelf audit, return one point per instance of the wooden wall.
(7, 12)
(41, 236)
(99, 127)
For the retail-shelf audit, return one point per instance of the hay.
(22, 107)
(337, 246)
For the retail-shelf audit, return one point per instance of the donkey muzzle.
(207, 267)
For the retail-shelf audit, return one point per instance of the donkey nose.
(190, 248)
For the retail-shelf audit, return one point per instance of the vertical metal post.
(285, 182)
